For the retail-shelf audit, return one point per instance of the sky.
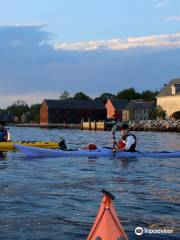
(94, 46)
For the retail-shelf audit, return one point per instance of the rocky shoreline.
(156, 125)
(150, 125)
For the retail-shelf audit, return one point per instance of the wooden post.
(81, 126)
(89, 121)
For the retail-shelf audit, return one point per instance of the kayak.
(6, 146)
(99, 152)
(107, 225)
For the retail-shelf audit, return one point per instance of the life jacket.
(122, 143)
(4, 135)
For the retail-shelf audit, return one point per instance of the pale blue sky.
(83, 20)
(94, 46)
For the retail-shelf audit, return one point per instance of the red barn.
(115, 108)
(71, 111)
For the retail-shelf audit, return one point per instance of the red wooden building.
(71, 111)
(115, 108)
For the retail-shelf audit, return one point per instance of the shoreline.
(150, 125)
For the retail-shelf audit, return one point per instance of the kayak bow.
(107, 226)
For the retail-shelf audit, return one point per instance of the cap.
(124, 126)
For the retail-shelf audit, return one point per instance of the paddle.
(114, 139)
(108, 194)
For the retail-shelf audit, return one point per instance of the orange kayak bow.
(107, 226)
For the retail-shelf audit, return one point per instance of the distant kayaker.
(4, 133)
(62, 145)
(127, 141)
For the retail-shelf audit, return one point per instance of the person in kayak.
(4, 133)
(62, 145)
(128, 141)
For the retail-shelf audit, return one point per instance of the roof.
(75, 104)
(133, 105)
(167, 91)
(119, 104)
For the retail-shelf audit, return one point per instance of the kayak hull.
(107, 225)
(99, 152)
(8, 146)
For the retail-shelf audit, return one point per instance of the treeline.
(22, 112)
(129, 94)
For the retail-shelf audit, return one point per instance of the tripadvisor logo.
(139, 231)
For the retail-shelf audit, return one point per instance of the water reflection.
(3, 155)
(3, 162)
(125, 162)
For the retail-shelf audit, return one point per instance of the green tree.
(149, 95)
(18, 108)
(158, 112)
(20, 103)
(35, 112)
(129, 94)
(81, 96)
(64, 96)
(106, 96)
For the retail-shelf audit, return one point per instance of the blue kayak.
(99, 152)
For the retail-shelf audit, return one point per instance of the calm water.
(54, 199)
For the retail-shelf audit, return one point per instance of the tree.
(64, 96)
(149, 95)
(158, 112)
(18, 108)
(20, 103)
(106, 96)
(81, 96)
(129, 94)
(35, 112)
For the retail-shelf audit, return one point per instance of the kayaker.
(4, 133)
(127, 141)
(62, 145)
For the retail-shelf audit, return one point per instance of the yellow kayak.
(8, 146)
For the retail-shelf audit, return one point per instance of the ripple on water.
(58, 198)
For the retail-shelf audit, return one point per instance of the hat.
(124, 126)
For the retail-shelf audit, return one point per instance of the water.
(57, 199)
